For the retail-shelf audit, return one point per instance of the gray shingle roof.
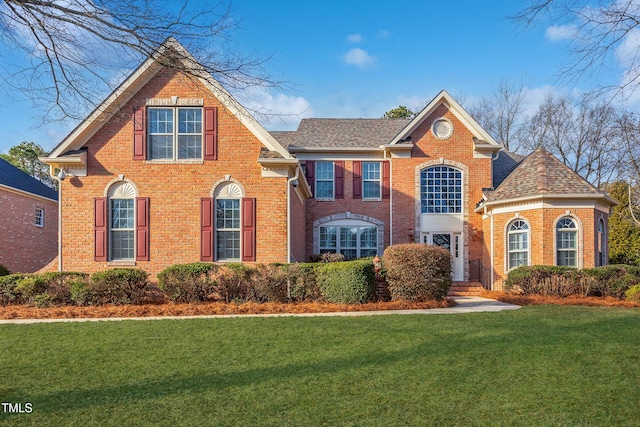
(284, 137)
(346, 132)
(503, 164)
(13, 177)
(541, 173)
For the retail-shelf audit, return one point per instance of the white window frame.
(602, 242)
(427, 182)
(338, 247)
(128, 229)
(575, 230)
(175, 134)
(512, 232)
(218, 257)
(366, 179)
(39, 217)
(332, 180)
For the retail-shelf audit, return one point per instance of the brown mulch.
(546, 300)
(168, 309)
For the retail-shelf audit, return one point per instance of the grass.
(540, 365)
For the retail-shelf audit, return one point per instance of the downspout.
(492, 252)
(384, 156)
(289, 184)
(60, 177)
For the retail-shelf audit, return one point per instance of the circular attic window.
(442, 128)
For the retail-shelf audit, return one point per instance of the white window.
(39, 217)
(567, 242)
(351, 241)
(324, 180)
(518, 244)
(371, 180)
(170, 142)
(441, 190)
(601, 243)
(228, 229)
(122, 229)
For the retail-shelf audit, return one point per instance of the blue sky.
(362, 58)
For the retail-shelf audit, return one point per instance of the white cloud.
(627, 51)
(561, 32)
(355, 38)
(383, 34)
(359, 57)
(277, 111)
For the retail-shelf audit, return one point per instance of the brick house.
(28, 221)
(171, 169)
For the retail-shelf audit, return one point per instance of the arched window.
(518, 244)
(601, 243)
(227, 222)
(567, 242)
(441, 190)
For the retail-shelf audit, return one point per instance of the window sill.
(325, 200)
(121, 264)
(371, 199)
(174, 162)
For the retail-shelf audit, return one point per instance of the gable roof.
(541, 174)
(443, 98)
(141, 76)
(345, 133)
(11, 176)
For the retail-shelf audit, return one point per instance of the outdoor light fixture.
(377, 265)
(62, 175)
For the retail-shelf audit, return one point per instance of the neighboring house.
(171, 169)
(28, 221)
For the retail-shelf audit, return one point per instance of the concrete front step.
(471, 289)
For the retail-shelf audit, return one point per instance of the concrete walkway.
(470, 304)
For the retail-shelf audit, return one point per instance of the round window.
(442, 128)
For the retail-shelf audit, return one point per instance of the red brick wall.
(174, 190)
(458, 148)
(317, 209)
(24, 247)
(542, 224)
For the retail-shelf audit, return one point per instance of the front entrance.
(453, 243)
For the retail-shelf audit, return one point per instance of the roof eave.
(295, 149)
(601, 197)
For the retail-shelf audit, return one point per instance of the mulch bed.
(546, 300)
(168, 309)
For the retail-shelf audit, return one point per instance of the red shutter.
(139, 134)
(206, 229)
(386, 179)
(101, 238)
(339, 179)
(310, 170)
(211, 133)
(357, 180)
(248, 229)
(142, 229)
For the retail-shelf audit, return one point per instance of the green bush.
(118, 286)
(545, 280)
(184, 283)
(326, 257)
(416, 272)
(349, 282)
(8, 292)
(633, 294)
(4, 271)
(612, 280)
(304, 284)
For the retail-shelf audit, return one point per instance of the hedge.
(607, 281)
(184, 283)
(118, 286)
(417, 272)
(41, 290)
(349, 282)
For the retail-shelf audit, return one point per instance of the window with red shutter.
(339, 179)
(142, 229)
(206, 229)
(101, 237)
(357, 180)
(248, 229)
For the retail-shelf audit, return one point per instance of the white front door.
(453, 243)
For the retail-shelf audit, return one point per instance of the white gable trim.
(110, 106)
(444, 98)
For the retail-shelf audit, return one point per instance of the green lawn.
(544, 365)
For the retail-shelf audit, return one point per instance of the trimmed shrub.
(607, 281)
(231, 283)
(4, 271)
(183, 283)
(417, 272)
(633, 294)
(8, 292)
(326, 257)
(118, 286)
(349, 282)
(544, 280)
(304, 284)
(270, 283)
